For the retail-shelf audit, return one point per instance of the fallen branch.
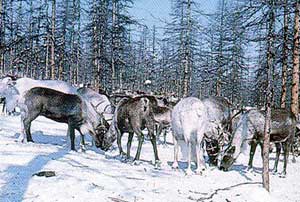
(117, 199)
(134, 178)
(225, 189)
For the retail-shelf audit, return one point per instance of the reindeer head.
(215, 140)
(101, 130)
(227, 158)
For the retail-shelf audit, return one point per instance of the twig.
(134, 178)
(116, 199)
(225, 189)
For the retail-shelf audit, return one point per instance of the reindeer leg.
(22, 132)
(119, 142)
(153, 141)
(286, 149)
(130, 137)
(293, 153)
(200, 159)
(3, 109)
(189, 169)
(158, 131)
(278, 149)
(252, 152)
(165, 137)
(72, 137)
(150, 127)
(175, 163)
(141, 140)
(27, 124)
(82, 141)
(290, 142)
(28, 133)
(200, 151)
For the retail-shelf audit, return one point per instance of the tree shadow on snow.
(41, 138)
(17, 177)
(243, 170)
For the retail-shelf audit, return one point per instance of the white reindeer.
(192, 119)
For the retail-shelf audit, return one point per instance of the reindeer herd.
(210, 126)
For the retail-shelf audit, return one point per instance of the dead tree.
(53, 39)
(284, 56)
(269, 95)
(295, 79)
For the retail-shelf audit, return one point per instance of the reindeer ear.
(113, 108)
(7, 80)
(231, 150)
(298, 118)
(101, 115)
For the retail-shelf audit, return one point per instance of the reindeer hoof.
(282, 175)
(175, 165)
(82, 148)
(199, 171)
(157, 164)
(136, 163)
(189, 171)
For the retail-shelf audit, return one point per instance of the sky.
(156, 12)
(151, 12)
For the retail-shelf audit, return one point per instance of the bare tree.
(53, 18)
(284, 57)
(270, 67)
(2, 31)
(295, 79)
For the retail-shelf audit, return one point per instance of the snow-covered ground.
(99, 176)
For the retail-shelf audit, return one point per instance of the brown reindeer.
(132, 115)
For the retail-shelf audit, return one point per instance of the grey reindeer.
(249, 127)
(60, 107)
(133, 115)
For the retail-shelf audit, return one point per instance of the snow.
(98, 176)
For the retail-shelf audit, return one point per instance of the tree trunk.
(95, 44)
(220, 51)
(1, 38)
(11, 50)
(76, 78)
(269, 95)
(187, 55)
(113, 68)
(53, 39)
(295, 79)
(284, 57)
(218, 88)
(62, 61)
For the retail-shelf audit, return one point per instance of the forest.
(98, 42)
(233, 71)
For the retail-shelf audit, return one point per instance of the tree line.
(226, 52)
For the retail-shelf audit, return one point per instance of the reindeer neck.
(241, 135)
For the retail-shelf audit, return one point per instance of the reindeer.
(250, 127)
(100, 102)
(132, 115)
(193, 121)
(15, 91)
(15, 96)
(65, 108)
